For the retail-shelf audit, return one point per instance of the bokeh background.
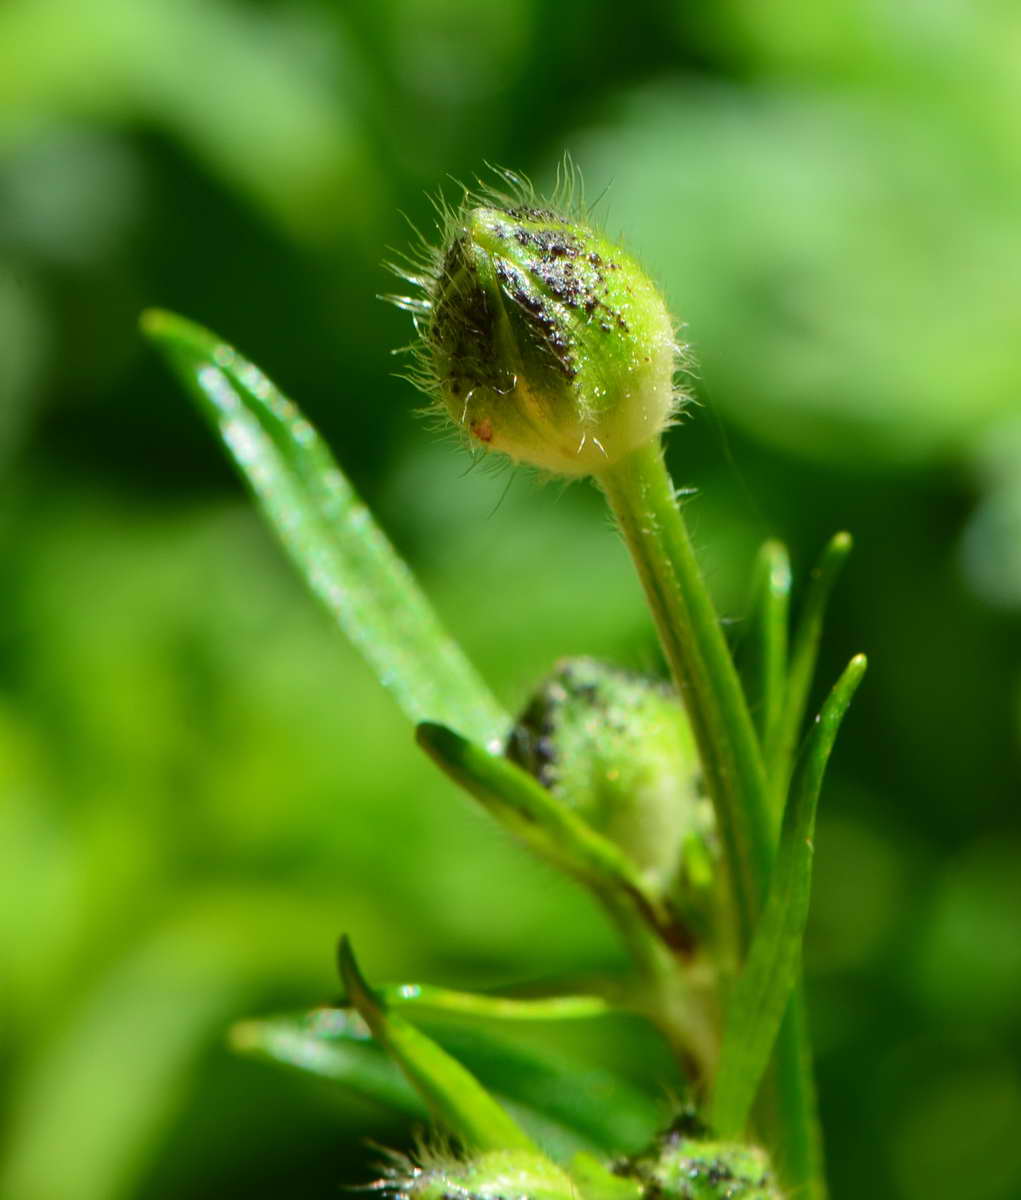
(201, 783)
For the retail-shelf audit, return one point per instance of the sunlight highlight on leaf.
(329, 532)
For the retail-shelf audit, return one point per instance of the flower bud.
(618, 749)
(544, 340)
(493, 1176)
(687, 1165)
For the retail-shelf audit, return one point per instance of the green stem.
(642, 498)
(654, 938)
(669, 997)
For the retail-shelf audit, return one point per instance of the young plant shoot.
(689, 818)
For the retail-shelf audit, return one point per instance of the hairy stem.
(642, 499)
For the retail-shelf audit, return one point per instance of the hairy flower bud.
(686, 1164)
(679, 1167)
(618, 749)
(542, 339)
(494, 1176)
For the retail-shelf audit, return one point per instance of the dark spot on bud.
(551, 243)
(547, 332)
(524, 213)
(483, 430)
(462, 322)
(719, 1172)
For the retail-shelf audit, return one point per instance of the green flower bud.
(541, 338)
(681, 1166)
(494, 1176)
(686, 1165)
(619, 750)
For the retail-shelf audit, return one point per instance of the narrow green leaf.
(567, 1105)
(423, 996)
(759, 997)
(782, 746)
(609, 1111)
(332, 1044)
(454, 1096)
(548, 827)
(765, 646)
(328, 532)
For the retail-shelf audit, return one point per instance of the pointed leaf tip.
(165, 329)
(781, 748)
(432, 736)
(455, 1097)
(150, 321)
(369, 1006)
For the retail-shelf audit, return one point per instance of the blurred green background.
(202, 785)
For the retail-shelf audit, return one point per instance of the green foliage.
(764, 659)
(191, 791)
(457, 1102)
(327, 530)
(760, 996)
(543, 823)
(567, 1104)
(780, 749)
(296, 489)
